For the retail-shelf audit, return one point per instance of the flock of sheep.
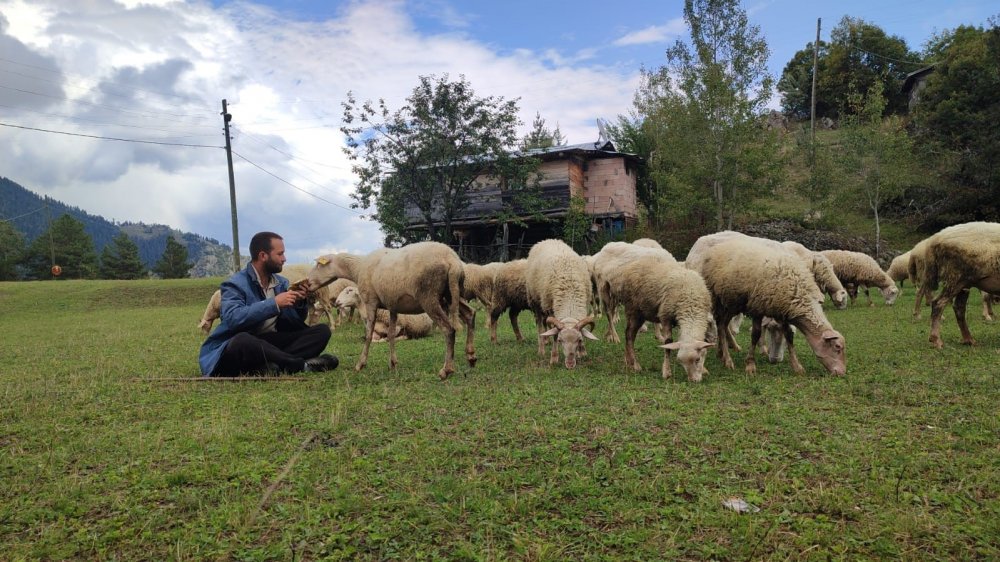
(781, 286)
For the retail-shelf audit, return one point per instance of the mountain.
(30, 214)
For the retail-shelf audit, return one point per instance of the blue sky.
(157, 70)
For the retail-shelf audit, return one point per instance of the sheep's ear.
(551, 332)
(704, 345)
(674, 345)
(587, 334)
(322, 261)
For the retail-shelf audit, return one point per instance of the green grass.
(897, 460)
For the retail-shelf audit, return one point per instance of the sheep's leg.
(987, 306)
(540, 325)
(631, 329)
(755, 331)
(667, 329)
(554, 353)
(937, 309)
(369, 333)
(961, 300)
(393, 318)
(793, 359)
(920, 296)
(468, 316)
(868, 296)
(722, 329)
(512, 314)
(610, 310)
(494, 318)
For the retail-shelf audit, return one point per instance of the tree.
(955, 122)
(877, 154)
(576, 223)
(173, 264)
(859, 53)
(629, 135)
(419, 165)
(120, 259)
(68, 244)
(11, 251)
(703, 110)
(540, 135)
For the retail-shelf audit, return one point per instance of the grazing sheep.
(559, 289)
(408, 326)
(510, 293)
(479, 282)
(899, 268)
(822, 270)
(212, 312)
(956, 259)
(651, 289)
(759, 280)
(862, 270)
(422, 277)
(607, 264)
(647, 243)
(344, 313)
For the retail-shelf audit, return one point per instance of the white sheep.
(408, 326)
(760, 280)
(647, 243)
(559, 289)
(857, 269)
(510, 293)
(421, 277)
(899, 268)
(344, 313)
(212, 312)
(607, 263)
(478, 283)
(822, 270)
(650, 288)
(956, 259)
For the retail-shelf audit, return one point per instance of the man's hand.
(289, 298)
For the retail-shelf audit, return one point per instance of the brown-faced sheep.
(558, 285)
(759, 280)
(860, 269)
(408, 326)
(956, 259)
(651, 289)
(422, 277)
(510, 293)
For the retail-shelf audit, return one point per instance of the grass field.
(511, 460)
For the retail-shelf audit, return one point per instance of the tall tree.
(877, 154)
(419, 165)
(70, 245)
(540, 135)
(173, 264)
(631, 136)
(704, 108)
(11, 251)
(956, 120)
(858, 55)
(120, 259)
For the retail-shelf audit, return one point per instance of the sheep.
(650, 288)
(559, 288)
(988, 300)
(412, 326)
(647, 243)
(956, 259)
(212, 311)
(510, 293)
(607, 263)
(422, 277)
(899, 268)
(822, 270)
(760, 280)
(479, 282)
(346, 312)
(861, 269)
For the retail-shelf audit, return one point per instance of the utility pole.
(226, 118)
(812, 110)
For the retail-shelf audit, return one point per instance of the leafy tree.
(71, 247)
(120, 259)
(858, 55)
(173, 264)
(877, 154)
(955, 120)
(419, 165)
(540, 135)
(11, 251)
(576, 223)
(703, 110)
(631, 136)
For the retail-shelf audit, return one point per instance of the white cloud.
(653, 33)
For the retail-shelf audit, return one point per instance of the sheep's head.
(348, 298)
(890, 293)
(327, 270)
(570, 337)
(774, 332)
(839, 298)
(829, 347)
(692, 357)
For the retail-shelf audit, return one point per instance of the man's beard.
(272, 267)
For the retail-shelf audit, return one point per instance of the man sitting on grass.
(262, 327)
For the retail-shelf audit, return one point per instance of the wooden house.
(596, 172)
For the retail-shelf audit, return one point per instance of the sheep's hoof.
(443, 373)
(471, 359)
(729, 364)
(359, 366)
(969, 341)
(751, 368)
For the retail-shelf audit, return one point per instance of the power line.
(24, 215)
(108, 138)
(64, 98)
(101, 122)
(856, 48)
(290, 154)
(254, 164)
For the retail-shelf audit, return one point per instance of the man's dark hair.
(261, 242)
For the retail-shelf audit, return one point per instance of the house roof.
(912, 78)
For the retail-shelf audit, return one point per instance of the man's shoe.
(325, 362)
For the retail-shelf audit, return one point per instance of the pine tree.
(120, 259)
(540, 135)
(173, 264)
(11, 251)
(71, 247)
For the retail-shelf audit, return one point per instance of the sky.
(157, 71)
